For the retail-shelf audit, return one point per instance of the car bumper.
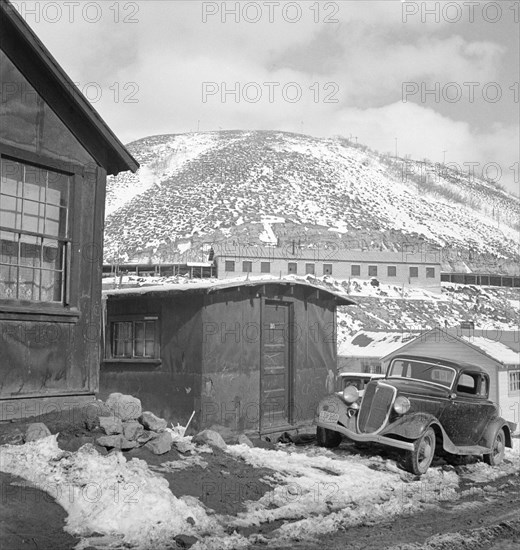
(370, 438)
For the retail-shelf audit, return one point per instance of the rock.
(14, 437)
(183, 445)
(125, 407)
(244, 440)
(132, 430)
(145, 437)
(37, 430)
(91, 412)
(111, 424)
(152, 422)
(228, 435)
(184, 541)
(160, 444)
(210, 437)
(262, 444)
(116, 441)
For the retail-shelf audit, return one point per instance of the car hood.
(415, 387)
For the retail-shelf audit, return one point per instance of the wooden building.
(497, 351)
(255, 355)
(406, 268)
(55, 154)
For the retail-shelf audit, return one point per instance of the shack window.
(292, 267)
(372, 270)
(514, 381)
(34, 232)
(229, 265)
(247, 267)
(355, 270)
(265, 267)
(327, 269)
(414, 272)
(391, 271)
(309, 269)
(430, 273)
(135, 339)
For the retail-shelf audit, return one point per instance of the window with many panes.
(391, 271)
(34, 232)
(372, 270)
(247, 267)
(135, 338)
(229, 265)
(514, 381)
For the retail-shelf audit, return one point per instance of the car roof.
(457, 365)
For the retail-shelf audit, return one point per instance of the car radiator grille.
(374, 408)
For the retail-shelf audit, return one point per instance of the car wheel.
(418, 461)
(327, 438)
(497, 449)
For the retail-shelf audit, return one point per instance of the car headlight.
(350, 395)
(401, 405)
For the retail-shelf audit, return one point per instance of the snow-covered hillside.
(230, 185)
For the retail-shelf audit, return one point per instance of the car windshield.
(419, 370)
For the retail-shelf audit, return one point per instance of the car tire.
(497, 449)
(327, 438)
(418, 461)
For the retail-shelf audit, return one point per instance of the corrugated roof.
(324, 254)
(214, 285)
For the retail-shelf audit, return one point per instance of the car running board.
(471, 450)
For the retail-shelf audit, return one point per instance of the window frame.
(133, 318)
(65, 310)
(394, 268)
(310, 269)
(429, 270)
(358, 274)
(327, 269)
(511, 382)
(265, 267)
(410, 272)
(227, 265)
(371, 269)
(249, 265)
(292, 268)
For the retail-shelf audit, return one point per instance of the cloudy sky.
(441, 77)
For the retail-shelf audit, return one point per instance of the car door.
(468, 412)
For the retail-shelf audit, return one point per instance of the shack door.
(276, 379)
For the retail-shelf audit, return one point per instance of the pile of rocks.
(127, 426)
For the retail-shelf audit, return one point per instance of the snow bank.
(109, 495)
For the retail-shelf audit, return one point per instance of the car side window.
(468, 383)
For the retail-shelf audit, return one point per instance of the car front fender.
(410, 426)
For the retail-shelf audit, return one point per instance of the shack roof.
(207, 286)
(375, 343)
(49, 79)
(502, 346)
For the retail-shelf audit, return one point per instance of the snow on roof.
(375, 343)
(212, 285)
(497, 350)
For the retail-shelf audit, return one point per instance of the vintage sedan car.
(423, 406)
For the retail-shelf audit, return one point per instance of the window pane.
(122, 340)
(8, 281)
(28, 284)
(32, 219)
(52, 254)
(30, 250)
(8, 248)
(51, 286)
(12, 177)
